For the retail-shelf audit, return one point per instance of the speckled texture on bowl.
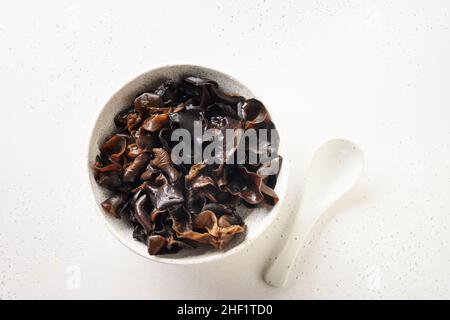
(257, 220)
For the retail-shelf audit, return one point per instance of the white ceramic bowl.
(257, 220)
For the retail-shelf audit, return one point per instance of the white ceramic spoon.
(334, 169)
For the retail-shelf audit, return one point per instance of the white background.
(375, 72)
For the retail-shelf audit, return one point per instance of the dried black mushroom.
(162, 193)
(163, 162)
(109, 180)
(254, 112)
(114, 147)
(114, 204)
(175, 206)
(135, 168)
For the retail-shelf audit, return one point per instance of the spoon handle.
(279, 270)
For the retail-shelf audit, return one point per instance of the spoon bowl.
(334, 169)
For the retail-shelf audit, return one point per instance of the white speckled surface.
(375, 72)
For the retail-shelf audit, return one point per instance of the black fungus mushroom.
(162, 193)
(135, 168)
(171, 205)
(114, 147)
(114, 204)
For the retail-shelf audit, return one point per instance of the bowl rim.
(189, 260)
